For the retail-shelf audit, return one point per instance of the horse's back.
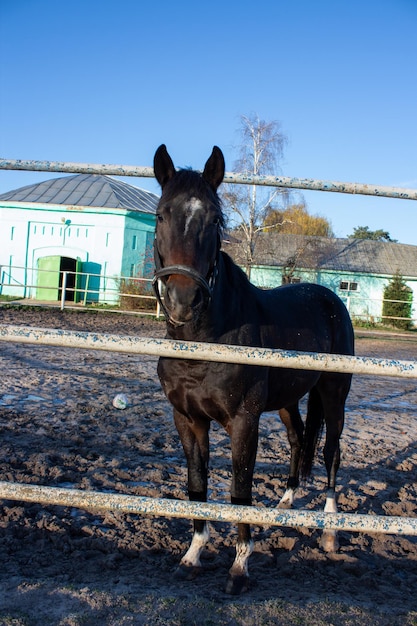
(306, 317)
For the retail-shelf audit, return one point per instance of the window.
(295, 280)
(11, 233)
(348, 285)
(134, 242)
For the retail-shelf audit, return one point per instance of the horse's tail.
(312, 432)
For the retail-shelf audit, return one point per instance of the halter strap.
(184, 270)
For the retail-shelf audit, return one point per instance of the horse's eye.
(159, 217)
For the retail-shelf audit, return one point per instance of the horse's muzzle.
(183, 299)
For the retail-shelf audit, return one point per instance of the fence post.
(87, 282)
(63, 289)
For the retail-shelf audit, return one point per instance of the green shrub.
(135, 295)
(398, 299)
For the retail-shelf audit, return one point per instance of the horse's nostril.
(183, 299)
(178, 295)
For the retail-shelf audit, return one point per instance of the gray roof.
(86, 190)
(348, 255)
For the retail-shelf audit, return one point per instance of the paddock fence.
(128, 293)
(84, 289)
(214, 352)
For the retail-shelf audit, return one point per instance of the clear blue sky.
(102, 81)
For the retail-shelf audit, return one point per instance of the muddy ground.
(68, 567)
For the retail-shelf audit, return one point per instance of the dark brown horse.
(209, 298)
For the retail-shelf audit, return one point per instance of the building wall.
(365, 301)
(138, 245)
(99, 239)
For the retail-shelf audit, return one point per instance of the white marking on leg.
(329, 541)
(331, 504)
(192, 208)
(287, 499)
(240, 564)
(199, 540)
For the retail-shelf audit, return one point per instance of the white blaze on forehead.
(194, 205)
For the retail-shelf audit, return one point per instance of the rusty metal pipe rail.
(140, 505)
(209, 351)
(289, 182)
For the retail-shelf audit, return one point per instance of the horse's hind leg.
(195, 441)
(333, 392)
(329, 541)
(291, 419)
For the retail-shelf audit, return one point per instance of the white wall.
(29, 232)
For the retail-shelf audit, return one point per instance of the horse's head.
(188, 235)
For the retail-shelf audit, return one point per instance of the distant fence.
(130, 293)
(357, 305)
(85, 288)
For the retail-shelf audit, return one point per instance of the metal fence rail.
(98, 501)
(230, 177)
(194, 350)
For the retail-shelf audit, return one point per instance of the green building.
(356, 269)
(93, 228)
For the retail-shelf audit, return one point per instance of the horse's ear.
(163, 166)
(214, 168)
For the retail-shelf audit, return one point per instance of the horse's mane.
(235, 273)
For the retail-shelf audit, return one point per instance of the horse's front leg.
(292, 421)
(195, 441)
(244, 442)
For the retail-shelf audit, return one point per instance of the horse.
(208, 298)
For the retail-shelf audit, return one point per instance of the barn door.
(48, 281)
(50, 275)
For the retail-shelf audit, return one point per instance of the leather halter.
(206, 285)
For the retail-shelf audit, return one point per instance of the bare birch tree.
(260, 151)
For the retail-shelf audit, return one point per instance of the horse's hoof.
(186, 572)
(329, 542)
(284, 504)
(287, 499)
(237, 584)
